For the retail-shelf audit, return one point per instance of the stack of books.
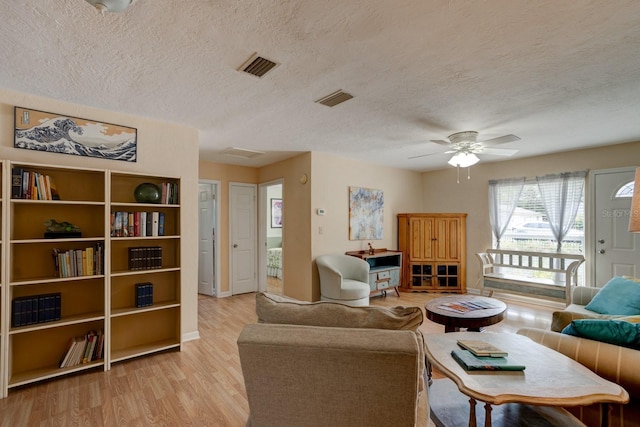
(137, 224)
(32, 185)
(35, 309)
(145, 257)
(79, 262)
(478, 355)
(84, 349)
(144, 294)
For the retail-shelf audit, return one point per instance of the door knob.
(601, 251)
(601, 241)
(235, 245)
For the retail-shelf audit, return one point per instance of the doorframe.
(216, 226)
(591, 237)
(264, 205)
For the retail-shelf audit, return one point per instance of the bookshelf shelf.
(135, 310)
(71, 320)
(142, 350)
(51, 372)
(103, 299)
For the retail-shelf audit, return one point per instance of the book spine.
(16, 183)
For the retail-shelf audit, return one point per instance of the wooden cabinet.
(94, 285)
(434, 246)
(384, 269)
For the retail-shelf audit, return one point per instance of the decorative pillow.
(620, 295)
(274, 309)
(612, 331)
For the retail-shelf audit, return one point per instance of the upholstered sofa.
(605, 355)
(324, 364)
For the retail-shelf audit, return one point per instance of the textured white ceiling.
(559, 74)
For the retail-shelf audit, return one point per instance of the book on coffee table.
(469, 362)
(482, 348)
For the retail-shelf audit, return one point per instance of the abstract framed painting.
(57, 133)
(366, 213)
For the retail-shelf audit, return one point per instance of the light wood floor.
(200, 386)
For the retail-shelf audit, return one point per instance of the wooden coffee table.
(473, 320)
(550, 378)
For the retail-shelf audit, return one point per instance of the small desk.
(472, 320)
(550, 378)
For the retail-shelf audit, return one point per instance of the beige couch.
(613, 362)
(328, 364)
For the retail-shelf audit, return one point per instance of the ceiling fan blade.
(441, 142)
(500, 140)
(423, 155)
(498, 151)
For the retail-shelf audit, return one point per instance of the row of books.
(34, 309)
(137, 224)
(145, 257)
(84, 349)
(32, 185)
(79, 262)
(144, 294)
(169, 193)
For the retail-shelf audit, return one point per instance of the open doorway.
(271, 233)
(208, 225)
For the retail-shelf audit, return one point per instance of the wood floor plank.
(200, 386)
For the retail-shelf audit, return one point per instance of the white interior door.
(243, 238)
(617, 251)
(206, 236)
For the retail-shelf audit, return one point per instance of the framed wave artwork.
(56, 133)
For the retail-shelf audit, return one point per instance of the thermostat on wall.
(320, 211)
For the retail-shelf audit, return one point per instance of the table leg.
(487, 415)
(606, 412)
(472, 412)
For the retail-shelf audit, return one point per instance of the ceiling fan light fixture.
(110, 5)
(463, 160)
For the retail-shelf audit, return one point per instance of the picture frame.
(276, 213)
(63, 134)
(366, 213)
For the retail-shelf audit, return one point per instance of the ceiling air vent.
(335, 98)
(242, 153)
(257, 66)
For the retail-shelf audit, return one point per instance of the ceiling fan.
(465, 145)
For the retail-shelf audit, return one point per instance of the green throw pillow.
(620, 295)
(612, 331)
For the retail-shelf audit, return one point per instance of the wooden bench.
(551, 275)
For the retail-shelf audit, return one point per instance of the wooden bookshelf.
(98, 300)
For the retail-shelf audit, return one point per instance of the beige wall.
(332, 177)
(329, 179)
(163, 149)
(296, 239)
(443, 194)
(226, 174)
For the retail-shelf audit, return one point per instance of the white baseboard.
(191, 336)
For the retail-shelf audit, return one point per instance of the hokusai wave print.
(365, 213)
(55, 133)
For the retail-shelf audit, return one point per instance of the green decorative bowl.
(147, 193)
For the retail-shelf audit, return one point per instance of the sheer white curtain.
(503, 198)
(561, 195)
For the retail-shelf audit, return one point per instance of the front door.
(616, 250)
(243, 238)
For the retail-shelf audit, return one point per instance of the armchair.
(344, 279)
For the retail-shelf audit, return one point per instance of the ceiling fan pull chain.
(469, 172)
(458, 171)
